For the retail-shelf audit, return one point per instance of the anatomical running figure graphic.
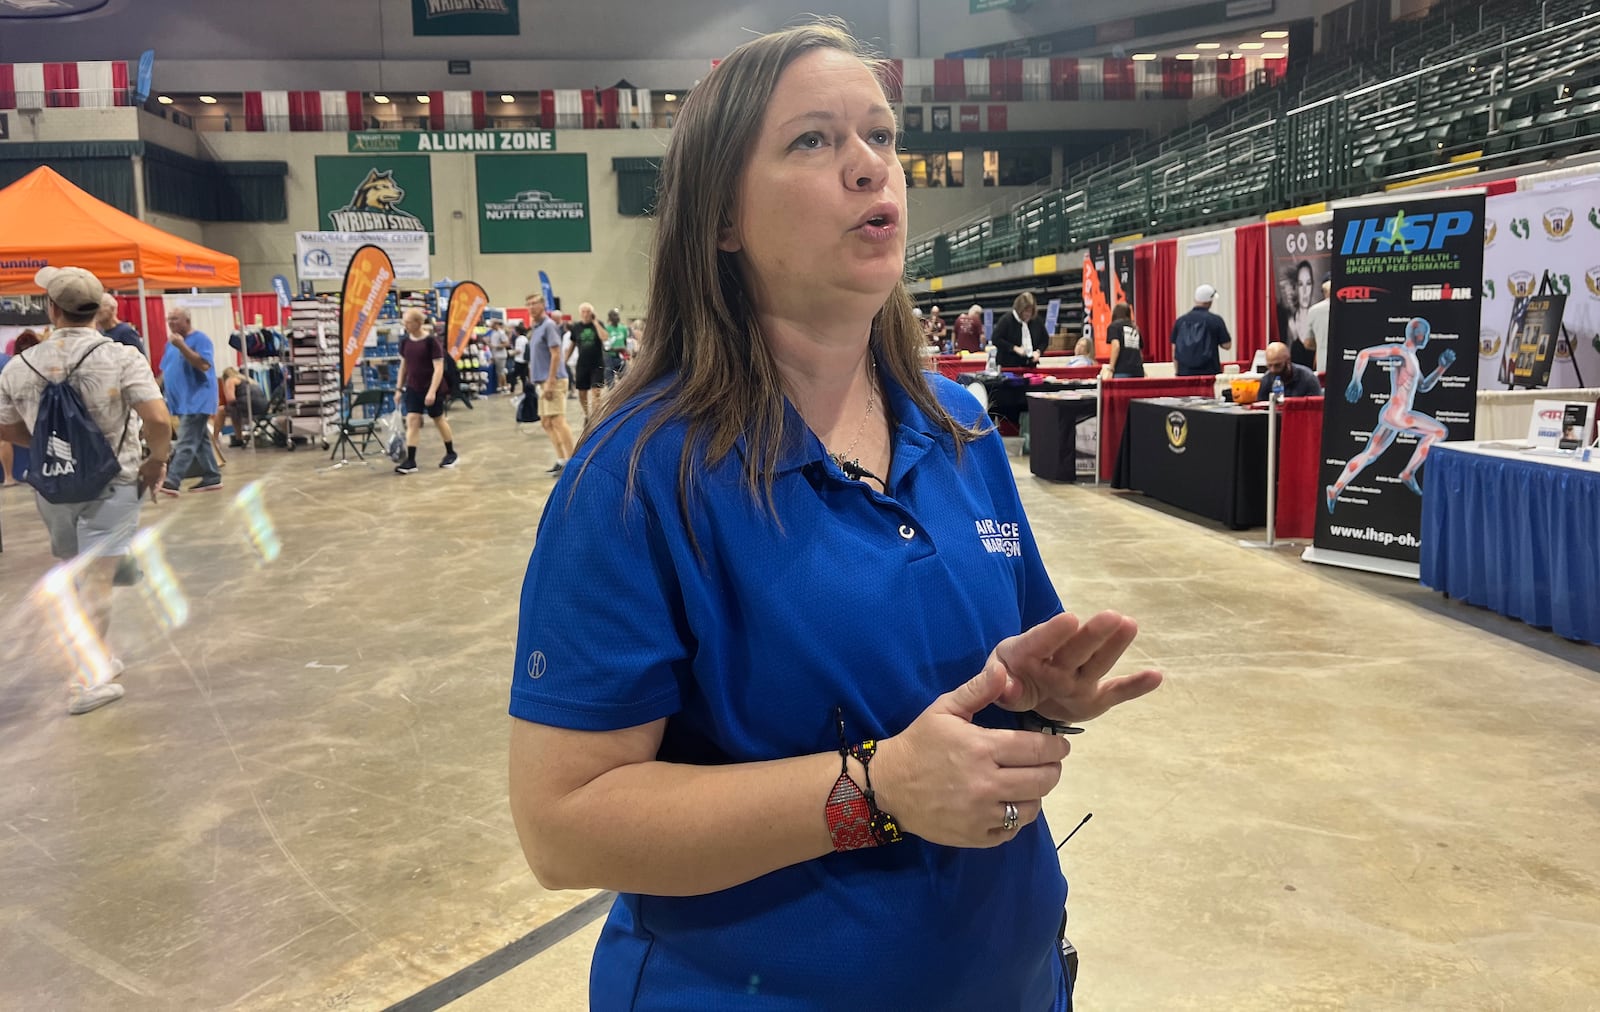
(1398, 415)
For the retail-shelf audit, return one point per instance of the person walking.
(549, 372)
(1199, 336)
(188, 368)
(589, 339)
(799, 804)
(616, 346)
(420, 381)
(498, 343)
(115, 384)
(519, 360)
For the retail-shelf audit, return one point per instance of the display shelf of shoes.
(314, 360)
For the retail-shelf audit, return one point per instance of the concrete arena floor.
(1351, 793)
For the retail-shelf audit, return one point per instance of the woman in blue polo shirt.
(780, 707)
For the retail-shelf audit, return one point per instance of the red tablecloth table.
(1299, 460)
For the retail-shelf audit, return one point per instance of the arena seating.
(1487, 85)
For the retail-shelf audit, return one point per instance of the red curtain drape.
(1063, 78)
(8, 87)
(1230, 78)
(480, 111)
(254, 120)
(949, 80)
(608, 109)
(547, 109)
(59, 92)
(1299, 458)
(156, 336)
(435, 110)
(1177, 78)
(1115, 395)
(1005, 80)
(586, 101)
(1118, 77)
(354, 109)
(119, 83)
(1252, 276)
(297, 110)
(263, 304)
(1155, 275)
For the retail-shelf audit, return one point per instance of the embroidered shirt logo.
(536, 664)
(999, 538)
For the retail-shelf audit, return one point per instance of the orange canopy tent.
(46, 221)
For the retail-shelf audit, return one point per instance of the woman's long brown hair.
(703, 330)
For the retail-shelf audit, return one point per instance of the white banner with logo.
(1555, 228)
(323, 256)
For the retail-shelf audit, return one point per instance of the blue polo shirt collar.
(914, 435)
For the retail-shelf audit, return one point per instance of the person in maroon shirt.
(421, 375)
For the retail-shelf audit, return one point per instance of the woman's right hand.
(947, 779)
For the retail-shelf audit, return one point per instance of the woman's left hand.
(1059, 666)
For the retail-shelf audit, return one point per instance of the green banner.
(533, 203)
(464, 17)
(452, 140)
(358, 193)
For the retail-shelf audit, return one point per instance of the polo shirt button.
(907, 532)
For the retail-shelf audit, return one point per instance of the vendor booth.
(50, 222)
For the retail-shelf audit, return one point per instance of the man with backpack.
(73, 399)
(1198, 335)
(419, 385)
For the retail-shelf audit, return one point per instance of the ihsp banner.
(1402, 369)
(366, 285)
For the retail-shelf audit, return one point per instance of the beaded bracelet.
(854, 818)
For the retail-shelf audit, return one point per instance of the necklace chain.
(846, 458)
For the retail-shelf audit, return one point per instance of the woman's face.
(820, 214)
(1303, 286)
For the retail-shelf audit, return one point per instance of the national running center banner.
(325, 256)
(1402, 369)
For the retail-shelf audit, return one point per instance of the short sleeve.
(9, 415)
(601, 632)
(137, 381)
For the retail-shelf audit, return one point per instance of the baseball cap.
(72, 289)
(1205, 293)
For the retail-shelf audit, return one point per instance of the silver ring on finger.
(1010, 821)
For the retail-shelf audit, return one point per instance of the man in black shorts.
(589, 337)
(421, 375)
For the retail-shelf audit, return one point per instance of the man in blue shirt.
(1197, 335)
(548, 372)
(188, 368)
(118, 330)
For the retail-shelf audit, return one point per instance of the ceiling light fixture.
(381, 99)
(1143, 57)
(1188, 56)
(424, 99)
(1252, 45)
(508, 99)
(208, 100)
(670, 97)
(1274, 56)
(165, 100)
(1274, 35)
(1208, 45)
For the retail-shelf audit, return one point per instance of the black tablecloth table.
(1199, 456)
(1008, 393)
(1053, 428)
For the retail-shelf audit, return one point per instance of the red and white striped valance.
(1076, 79)
(87, 84)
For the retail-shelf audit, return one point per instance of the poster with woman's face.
(1302, 259)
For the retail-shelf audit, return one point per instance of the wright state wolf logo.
(375, 207)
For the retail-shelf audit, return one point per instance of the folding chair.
(350, 426)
